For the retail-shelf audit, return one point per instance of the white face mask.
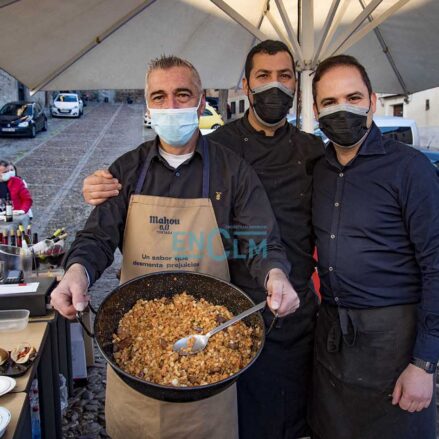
(175, 125)
(7, 175)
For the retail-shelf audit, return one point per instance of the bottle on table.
(44, 245)
(12, 239)
(56, 233)
(19, 239)
(25, 237)
(9, 210)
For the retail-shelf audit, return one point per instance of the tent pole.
(307, 41)
(388, 53)
(298, 54)
(353, 27)
(238, 18)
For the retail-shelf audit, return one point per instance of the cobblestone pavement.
(54, 165)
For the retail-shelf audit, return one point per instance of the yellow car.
(210, 119)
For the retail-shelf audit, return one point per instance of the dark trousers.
(359, 355)
(273, 393)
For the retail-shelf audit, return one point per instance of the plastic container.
(13, 319)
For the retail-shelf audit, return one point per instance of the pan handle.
(273, 322)
(79, 315)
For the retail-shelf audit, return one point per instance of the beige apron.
(163, 234)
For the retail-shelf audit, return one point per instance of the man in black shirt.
(200, 187)
(376, 220)
(272, 396)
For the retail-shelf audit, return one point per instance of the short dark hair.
(271, 47)
(336, 61)
(4, 163)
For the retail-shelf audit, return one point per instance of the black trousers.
(273, 393)
(359, 355)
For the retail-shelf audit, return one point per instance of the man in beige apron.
(125, 408)
(150, 226)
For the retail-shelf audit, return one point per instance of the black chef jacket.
(284, 163)
(239, 202)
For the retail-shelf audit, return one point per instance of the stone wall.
(8, 88)
(134, 96)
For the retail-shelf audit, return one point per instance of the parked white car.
(398, 128)
(67, 105)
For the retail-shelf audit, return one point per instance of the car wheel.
(44, 125)
(33, 131)
(214, 127)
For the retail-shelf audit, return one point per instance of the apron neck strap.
(206, 169)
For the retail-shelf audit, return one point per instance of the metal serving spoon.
(195, 343)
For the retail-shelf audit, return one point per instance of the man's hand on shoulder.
(71, 293)
(282, 298)
(100, 186)
(413, 389)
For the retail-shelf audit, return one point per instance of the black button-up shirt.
(377, 226)
(284, 163)
(239, 201)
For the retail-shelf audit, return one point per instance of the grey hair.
(166, 62)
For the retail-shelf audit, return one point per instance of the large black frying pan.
(166, 284)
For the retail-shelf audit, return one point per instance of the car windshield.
(67, 98)
(16, 110)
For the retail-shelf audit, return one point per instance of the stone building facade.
(8, 88)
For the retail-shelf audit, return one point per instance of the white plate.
(5, 418)
(6, 385)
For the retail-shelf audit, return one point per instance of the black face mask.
(344, 124)
(271, 102)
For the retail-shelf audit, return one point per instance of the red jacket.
(20, 196)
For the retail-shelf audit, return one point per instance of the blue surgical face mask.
(7, 175)
(175, 125)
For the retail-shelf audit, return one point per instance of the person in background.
(273, 394)
(12, 168)
(376, 218)
(13, 188)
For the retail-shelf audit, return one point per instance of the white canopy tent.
(106, 44)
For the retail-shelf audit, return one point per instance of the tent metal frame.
(306, 54)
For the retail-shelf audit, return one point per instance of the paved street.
(55, 162)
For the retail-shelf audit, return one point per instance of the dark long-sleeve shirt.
(239, 201)
(284, 163)
(377, 226)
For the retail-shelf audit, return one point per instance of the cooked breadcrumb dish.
(146, 335)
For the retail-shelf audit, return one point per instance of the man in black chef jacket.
(272, 396)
